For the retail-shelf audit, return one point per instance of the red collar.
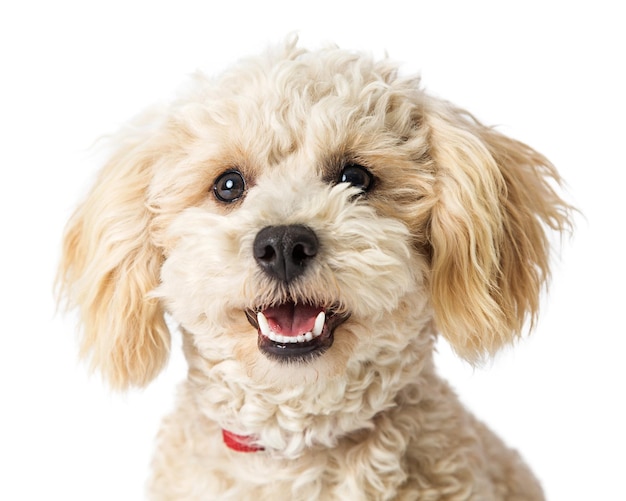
(240, 443)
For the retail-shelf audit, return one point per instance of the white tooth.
(308, 337)
(263, 324)
(319, 324)
(300, 338)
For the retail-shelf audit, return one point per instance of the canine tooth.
(263, 324)
(319, 324)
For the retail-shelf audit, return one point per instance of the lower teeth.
(302, 338)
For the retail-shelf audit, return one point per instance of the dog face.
(296, 256)
(291, 270)
(303, 217)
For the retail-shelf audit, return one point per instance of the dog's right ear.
(109, 266)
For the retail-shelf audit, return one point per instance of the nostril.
(266, 254)
(299, 254)
(303, 251)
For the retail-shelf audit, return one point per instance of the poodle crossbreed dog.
(312, 221)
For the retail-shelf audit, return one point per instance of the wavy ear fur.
(490, 251)
(108, 268)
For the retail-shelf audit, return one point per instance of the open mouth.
(291, 331)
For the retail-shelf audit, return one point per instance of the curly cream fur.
(450, 240)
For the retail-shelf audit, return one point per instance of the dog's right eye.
(229, 186)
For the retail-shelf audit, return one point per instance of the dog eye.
(357, 175)
(229, 186)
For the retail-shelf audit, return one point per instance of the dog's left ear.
(489, 247)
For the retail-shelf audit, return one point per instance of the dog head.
(306, 215)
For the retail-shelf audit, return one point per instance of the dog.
(312, 222)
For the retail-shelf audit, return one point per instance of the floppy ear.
(108, 268)
(490, 251)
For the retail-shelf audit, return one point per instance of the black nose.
(283, 252)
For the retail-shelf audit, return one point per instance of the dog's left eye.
(357, 175)
(229, 186)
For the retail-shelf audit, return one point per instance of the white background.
(548, 73)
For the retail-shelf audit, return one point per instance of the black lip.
(298, 352)
(295, 351)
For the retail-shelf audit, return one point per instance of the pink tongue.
(291, 320)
